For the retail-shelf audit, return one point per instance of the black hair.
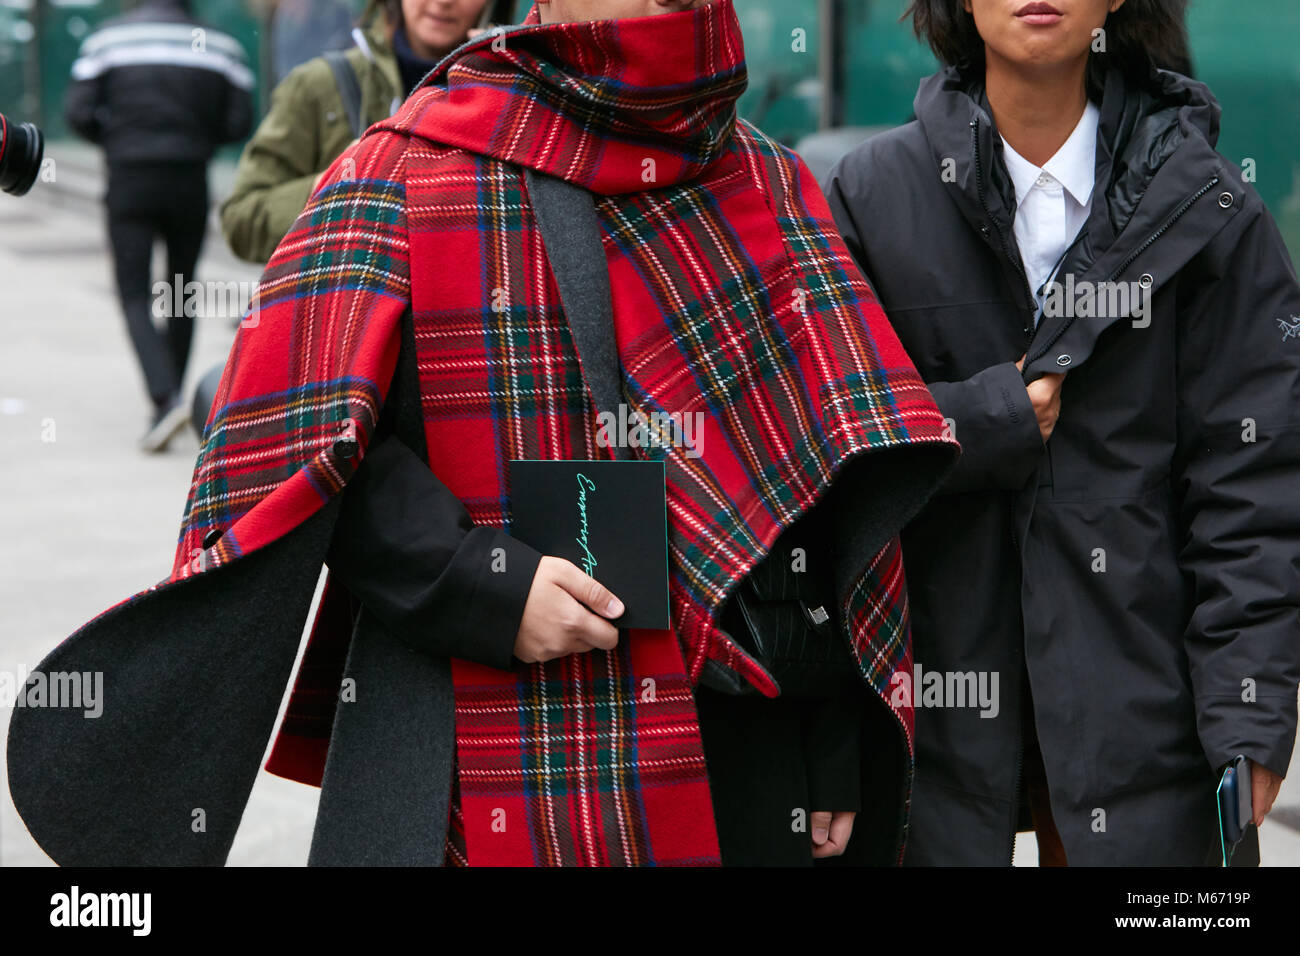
(1138, 34)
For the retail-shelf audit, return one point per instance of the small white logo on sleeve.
(102, 909)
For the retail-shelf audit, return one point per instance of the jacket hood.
(372, 35)
(1144, 122)
(953, 94)
(615, 106)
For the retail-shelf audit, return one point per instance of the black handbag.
(784, 613)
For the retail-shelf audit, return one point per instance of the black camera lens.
(21, 148)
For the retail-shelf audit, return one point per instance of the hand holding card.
(607, 517)
(567, 612)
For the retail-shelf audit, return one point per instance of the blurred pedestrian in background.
(159, 91)
(308, 126)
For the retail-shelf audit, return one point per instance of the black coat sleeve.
(993, 419)
(1237, 472)
(81, 105)
(405, 547)
(990, 414)
(237, 118)
(832, 745)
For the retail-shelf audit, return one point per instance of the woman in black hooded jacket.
(1077, 263)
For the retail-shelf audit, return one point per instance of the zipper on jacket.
(1020, 729)
(1178, 214)
(1002, 239)
(1051, 276)
(1015, 539)
(1015, 793)
(1151, 240)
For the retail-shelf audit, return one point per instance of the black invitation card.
(610, 518)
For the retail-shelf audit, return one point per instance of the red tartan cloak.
(733, 295)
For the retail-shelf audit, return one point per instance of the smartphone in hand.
(1235, 805)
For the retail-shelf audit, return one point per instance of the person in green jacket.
(307, 127)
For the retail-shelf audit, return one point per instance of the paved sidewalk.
(85, 518)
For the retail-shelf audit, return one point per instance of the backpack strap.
(566, 218)
(345, 78)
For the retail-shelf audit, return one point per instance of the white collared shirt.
(1052, 203)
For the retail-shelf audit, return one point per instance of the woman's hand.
(566, 613)
(1264, 785)
(1045, 393)
(831, 832)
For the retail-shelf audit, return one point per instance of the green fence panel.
(1246, 52)
(782, 51)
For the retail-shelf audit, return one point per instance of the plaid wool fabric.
(734, 298)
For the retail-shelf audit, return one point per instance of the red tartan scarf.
(734, 297)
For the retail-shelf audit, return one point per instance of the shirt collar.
(1074, 166)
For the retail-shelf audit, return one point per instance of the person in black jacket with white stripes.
(159, 91)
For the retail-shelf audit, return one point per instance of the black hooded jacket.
(155, 86)
(1141, 572)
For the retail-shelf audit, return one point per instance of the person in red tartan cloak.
(453, 712)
